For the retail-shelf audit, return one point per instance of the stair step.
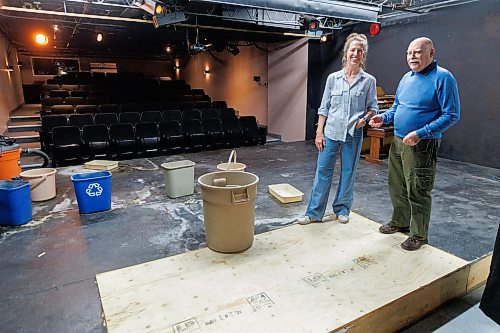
(18, 119)
(32, 145)
(24, 126)
(23, 137)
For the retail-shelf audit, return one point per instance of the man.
(426, 104)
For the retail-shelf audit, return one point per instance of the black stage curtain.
(490, 302)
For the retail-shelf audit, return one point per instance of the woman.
(349, 100)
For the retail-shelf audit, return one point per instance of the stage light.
(233, 49)
(150, 6)
(99, 37)
(147, 5)
(160, 20)
(326, 38)
(41, 39)
(168, 49)
(159, 9)
(374, 29)
(309, 23)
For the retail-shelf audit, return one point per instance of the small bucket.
(43, 183)
(179, 178)
(231, 165)
(93, 191)
(15, 203)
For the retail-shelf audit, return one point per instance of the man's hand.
(376, 121)
(320, 141)
(411, 139)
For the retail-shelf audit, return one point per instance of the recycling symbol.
(94, 190)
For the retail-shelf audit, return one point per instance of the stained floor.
(48, 266)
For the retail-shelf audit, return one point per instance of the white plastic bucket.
(43, 183)
(231, 164)
(179, 178)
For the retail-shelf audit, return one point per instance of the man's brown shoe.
(412, 244)
(389, 229)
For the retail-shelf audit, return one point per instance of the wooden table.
(377, 136)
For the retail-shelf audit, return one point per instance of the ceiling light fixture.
(326, 38)
(99, 37)
(233, 49)
(159, 8)
(147, 5)
(41, 39)
(309, 23)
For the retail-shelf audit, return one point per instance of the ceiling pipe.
(125, 19)
(97, 17)
(337, 9)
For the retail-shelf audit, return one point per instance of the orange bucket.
(10, 161)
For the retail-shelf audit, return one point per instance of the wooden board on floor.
(317, 278)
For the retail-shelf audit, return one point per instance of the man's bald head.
(423, 42)
(420, 53)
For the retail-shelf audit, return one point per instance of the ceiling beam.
(339, 9)
(89, 16)
(125, 19)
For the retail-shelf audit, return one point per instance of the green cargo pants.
(411, 178)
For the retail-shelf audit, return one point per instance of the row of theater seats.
(77, 104)
(155, 116)
(89, 88)
(85, 136)
(121, 91)
(182, 97)
(97, 78)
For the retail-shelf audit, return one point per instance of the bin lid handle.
(240, 197)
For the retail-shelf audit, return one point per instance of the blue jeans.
(350, 152)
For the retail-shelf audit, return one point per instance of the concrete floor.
(48, 266)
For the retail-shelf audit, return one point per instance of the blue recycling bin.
(15, 202)
(93, 191)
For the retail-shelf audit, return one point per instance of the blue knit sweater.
(426, 102)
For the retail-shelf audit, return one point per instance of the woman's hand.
(360, 123)
(320, 141)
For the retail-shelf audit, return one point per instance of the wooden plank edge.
(413, 306)
(479, 271)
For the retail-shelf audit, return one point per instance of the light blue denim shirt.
(344, 105)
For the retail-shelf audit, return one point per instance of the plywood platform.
(317, 278)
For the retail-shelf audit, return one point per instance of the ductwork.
(335, 9)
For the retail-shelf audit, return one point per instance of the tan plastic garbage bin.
(229, 209)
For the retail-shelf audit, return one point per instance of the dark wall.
(466, 41)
